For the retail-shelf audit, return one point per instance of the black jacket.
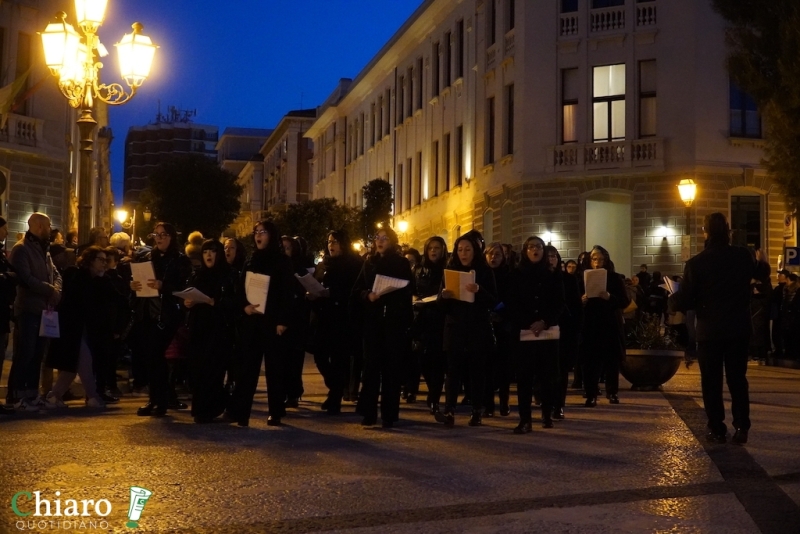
(173, 269)
(275, 264)
(535, 294)
(467, 325)
(392, 308)
(716, 285)
(331, 318)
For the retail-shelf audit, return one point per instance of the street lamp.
(127, 224)
(71, 58)
(688, 191)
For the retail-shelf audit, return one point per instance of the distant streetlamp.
(688, 191)
(127, 224)
(71, 58)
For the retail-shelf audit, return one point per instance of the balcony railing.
(569, 25)
(21, 130)
(646, 14)
(598, 156)
(607, 19)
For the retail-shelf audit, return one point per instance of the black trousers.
(333, 363)
(260, 344)
(154, 343)
(207, 359)
(537, 360)
(567, 357)
(498, 372)
(139, 360)
(732, 355)
(600, 357)
(474, 363)
(411, 366)
(295, 358)
(434, 366)
(384, 348)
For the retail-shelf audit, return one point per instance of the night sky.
(244, 62)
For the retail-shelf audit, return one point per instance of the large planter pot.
(647, 370)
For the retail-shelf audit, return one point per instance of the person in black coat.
(429, 319)
(8, 292)
(159, 317)
(468, 334)
(86, 315)
(789, 314)
(602, 346)
(498, 371)
(386, 322)
(335, 335)
(716, 285)
(235, 255)
(535, 304)
(261, 331)
(297, 336)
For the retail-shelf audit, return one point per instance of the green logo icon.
(139, 498)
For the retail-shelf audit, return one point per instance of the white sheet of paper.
(387, 284)
(432, 298)
(670, 285)
(310, 284)
(142, 272)
(456, 281)
(545, 335)
(256, 287)
(595, 282)
(193, 294)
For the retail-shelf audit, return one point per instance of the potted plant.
(652, 357)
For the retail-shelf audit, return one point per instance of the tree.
(378, 202)
(764, 61)
(194, 193)
(313, 219)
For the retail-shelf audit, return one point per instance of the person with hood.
(261, 329)
(498, 372)
(429, 319)
(160, 317)
(468, 335)
(386, 322)
(210, 332)
(336, 337)
(235, 255)
(602, 346)
(8, 290)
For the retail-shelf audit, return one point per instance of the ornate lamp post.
(71, 58)
(130, 224)
(688, 191)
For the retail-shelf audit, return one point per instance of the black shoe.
(333, 410)
(411, 399)
(448, 418)
(109, 399)
(274, 421)
(433, 407)
(475, 420)
(151, 409)
(613, 399)
(739, 437)
(6, 410)
(716, 437)
(293, 403)
(547, 423)
(558, 413)
(505, 409)
(369, 421)
(523, 427)
(537, 401)
(488, 413)
(387, 424)
(177, 405)
(591, 402)
(325, 404)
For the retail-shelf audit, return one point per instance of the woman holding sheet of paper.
(468, 335)
(535, 306)
(386, 322)
(265, 291)
(160, 316)
(210, 331)
(602, 341)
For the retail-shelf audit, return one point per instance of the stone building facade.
(573, 120)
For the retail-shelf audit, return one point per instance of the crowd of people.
(520, 318)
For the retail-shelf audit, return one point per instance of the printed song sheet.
(670, 285)
(387, 284)
(595, 282)
(456, 281)
(142, 272)
(193, 294)
(545, 335)
(256, 287)
(311, 284)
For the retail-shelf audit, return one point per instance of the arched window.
(488, 225)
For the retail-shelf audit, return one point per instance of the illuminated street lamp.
(688, 191)
(71, 58)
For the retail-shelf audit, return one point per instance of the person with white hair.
(121, 241)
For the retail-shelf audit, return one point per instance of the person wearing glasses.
(159, 317)
(386, 322)
(468, 335)
(86, 315)
(261, 329)
(602, 346)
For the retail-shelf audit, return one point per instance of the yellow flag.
(9, 93)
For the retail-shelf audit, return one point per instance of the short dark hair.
(95, 232)
(71, 235)
(113, 252)
(89, 255)
(53, 232)
(715, 225)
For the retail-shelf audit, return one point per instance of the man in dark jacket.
(716, 284)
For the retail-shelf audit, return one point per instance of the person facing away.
(716, 285)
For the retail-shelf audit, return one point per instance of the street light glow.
(121, 215)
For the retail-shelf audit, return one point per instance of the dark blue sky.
(244, 62)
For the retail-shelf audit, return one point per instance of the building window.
(489, 149)
(647, 98)
(491, 21)
(398, 188)
(419, 86)
(23, 64)
(372, 120)
(435, 70)
(387, 101)
(407, 182)
(569, 6)
(509, 120)
(510, 14)
(410, 91)
(746, 221)
(433, 176)
(401, 99)
(361, 131)
(446, 159)
(569, 106)
(379, 125)
(460, 50)
(599, 4)
(448, 58)
(418, 169)
(608, 102)
(745, 120)
(459, 155)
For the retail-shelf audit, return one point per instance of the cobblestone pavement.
(640, 466)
